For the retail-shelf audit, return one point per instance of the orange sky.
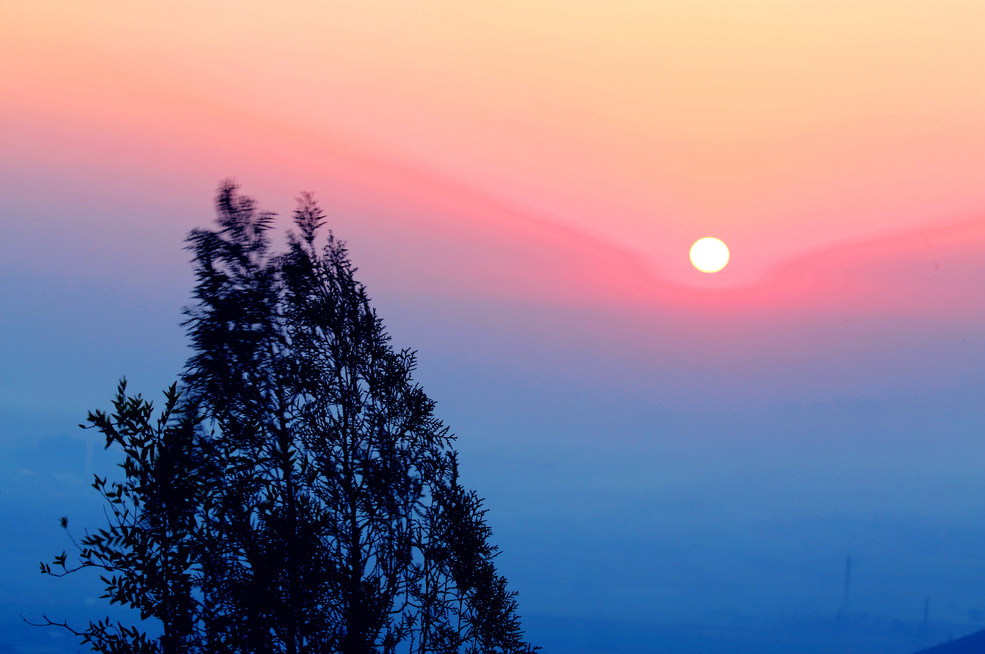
(783, 127)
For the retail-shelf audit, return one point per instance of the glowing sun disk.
(709, 254)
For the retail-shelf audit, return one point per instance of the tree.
(146, 549)
(299, 495)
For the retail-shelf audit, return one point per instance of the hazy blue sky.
(672, 461)
(636, 466)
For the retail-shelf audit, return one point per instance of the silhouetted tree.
(147, 550)
(312, 500)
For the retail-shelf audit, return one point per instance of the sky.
(669, 457)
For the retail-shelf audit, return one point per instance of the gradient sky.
(519, 183)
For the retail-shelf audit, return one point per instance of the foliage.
(300, 495)
(146, 551)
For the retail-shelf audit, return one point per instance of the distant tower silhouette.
(843, 614)
(922, 635)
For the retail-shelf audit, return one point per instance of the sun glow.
(709, 255)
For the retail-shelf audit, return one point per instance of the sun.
(709, 254)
